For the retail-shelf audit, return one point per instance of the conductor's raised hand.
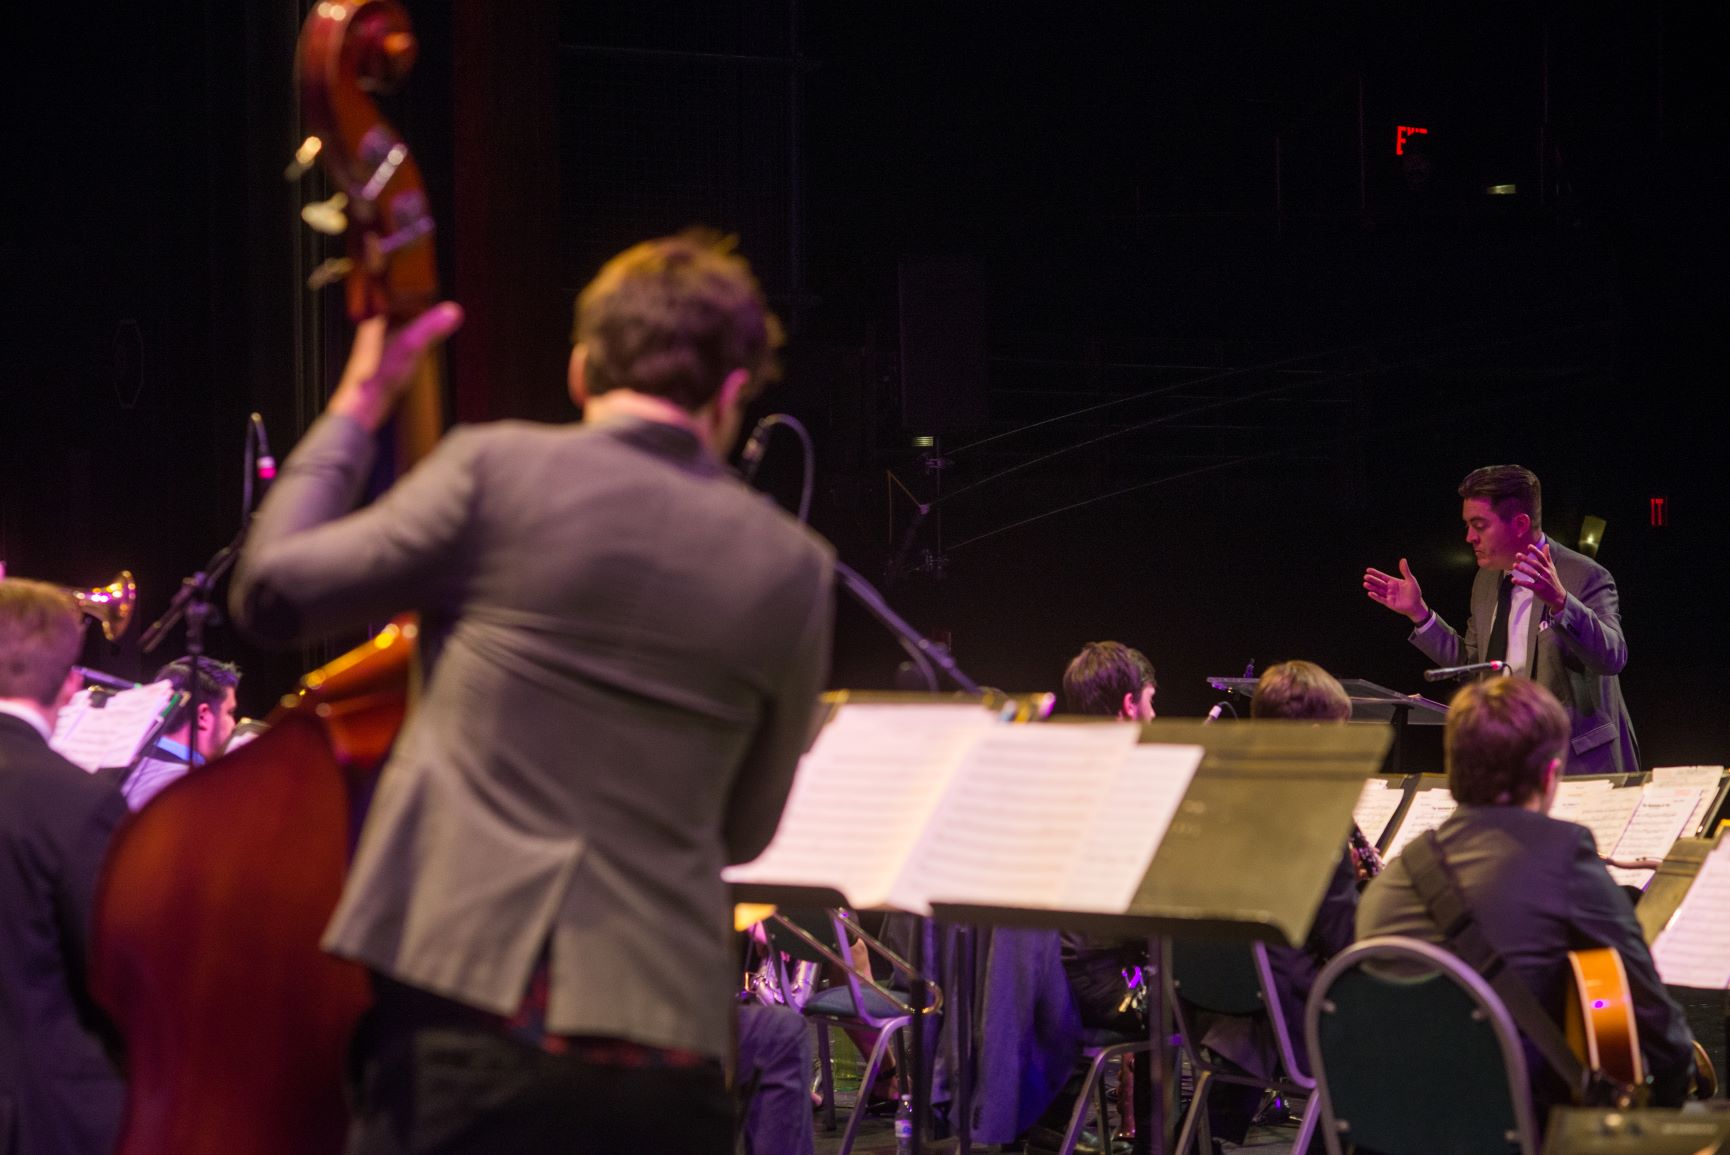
(382, 362)
(1535, 569)
(1401, 594)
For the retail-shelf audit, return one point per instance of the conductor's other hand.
(382, 363)
(1401, 594)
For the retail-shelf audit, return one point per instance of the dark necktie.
(1497, 650)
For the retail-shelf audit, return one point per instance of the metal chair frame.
(1426, 958)
(889, 1028)
(1290, 1079)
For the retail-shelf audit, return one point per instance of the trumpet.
(110, 605)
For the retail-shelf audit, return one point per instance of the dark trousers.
(430, 1087)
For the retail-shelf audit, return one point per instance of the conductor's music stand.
(1370, 703)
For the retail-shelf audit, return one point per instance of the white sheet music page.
(1571, 796)
(1128, 823)
(861, 795)
(1429, 809)
(110, 735)
(1377, 802)
(1011, 822)
(1606, 814)
(1657, 823)
(1708, 778)
(1693, 949)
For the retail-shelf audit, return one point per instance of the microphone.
(1213, 714)
(1447, 673)
(751, 457)
(265, 464)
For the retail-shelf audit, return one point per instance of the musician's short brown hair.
(41, 632)
(672, 317)
(1300, 689)
(1101, 674)
(1501, 737)
(1509, 489)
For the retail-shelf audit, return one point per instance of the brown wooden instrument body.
(206, 954)
(214, 897)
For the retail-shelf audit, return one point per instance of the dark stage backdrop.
(1194, 344)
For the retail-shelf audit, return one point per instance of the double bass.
(205, 949)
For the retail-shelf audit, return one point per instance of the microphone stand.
(918, 647)
(192, 602)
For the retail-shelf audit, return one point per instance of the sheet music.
(110, 735)
(1376, 804)
(1571, 795)
(1012, 819)
(1128, 823)
(1656, 825)
(1693, 949)
(862, 793)
(1606, 814)
(1429, 809)
(1708, 778)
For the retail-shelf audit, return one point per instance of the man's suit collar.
(663, 439)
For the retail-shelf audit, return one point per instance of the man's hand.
(1535, 569)
(382, 364)
(1401, 594)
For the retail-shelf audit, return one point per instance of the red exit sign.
(1405, 132)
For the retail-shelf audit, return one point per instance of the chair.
(1414, 1054)
(859, 1001)
(1099, 1049)
(1231, 979)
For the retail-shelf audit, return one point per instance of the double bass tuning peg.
(327, 217)
(304, 156)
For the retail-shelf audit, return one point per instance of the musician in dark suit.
(1534, 884)
(623, 648)
(1294, 691)
(59, 1093)
(1552, 614)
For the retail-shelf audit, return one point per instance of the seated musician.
(623, 648)
(1534, 884)
(59, 1093)
(167, 759)
(1304, 691)
(1108, 680)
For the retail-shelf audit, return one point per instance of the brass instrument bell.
(111, 604)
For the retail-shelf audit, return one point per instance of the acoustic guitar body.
(1600, 1016)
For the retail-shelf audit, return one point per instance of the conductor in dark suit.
(59, 1094)
(1551, 614)
(1534, 884)
(623, 649)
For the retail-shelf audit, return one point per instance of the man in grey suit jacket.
(624, 648)
(1550, 613)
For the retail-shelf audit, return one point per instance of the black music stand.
(1370, 703)
(1224, 872)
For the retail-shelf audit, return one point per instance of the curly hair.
(673, 317)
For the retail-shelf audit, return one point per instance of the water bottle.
(904, 1126)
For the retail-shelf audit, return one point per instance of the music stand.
(1370, 703)
(1223, 871)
